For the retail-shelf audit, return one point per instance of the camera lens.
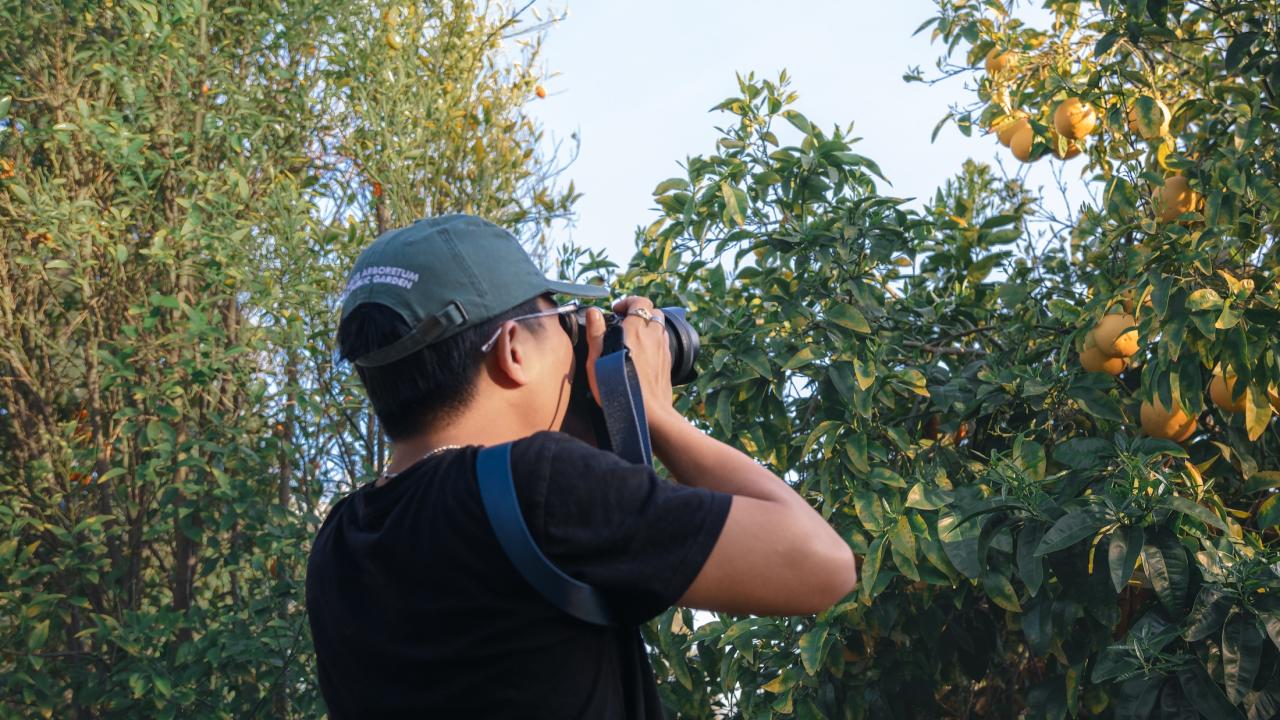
(684, 343)
(682, 340)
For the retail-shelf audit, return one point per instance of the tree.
(182, 190)
(1026, 548)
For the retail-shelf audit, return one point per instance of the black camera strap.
(625, 424)
(620, 425)
(498, 493)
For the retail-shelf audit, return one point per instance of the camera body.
(584, 419)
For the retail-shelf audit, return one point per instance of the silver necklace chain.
(442, 448)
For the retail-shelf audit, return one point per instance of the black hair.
(428, 386)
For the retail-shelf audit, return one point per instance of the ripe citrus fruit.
(1074, 118)
(998, 60)
(1010, 127)
(540, 91)
(1175, 198)
(1148, 118)
(1092, 360)
(1221, 389)
(1116, 335)
(1021, 143)
(1160, 422)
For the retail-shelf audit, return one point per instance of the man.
(415, 609)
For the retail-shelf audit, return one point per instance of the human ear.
(511, 355)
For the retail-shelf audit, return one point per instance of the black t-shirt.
(416, 611)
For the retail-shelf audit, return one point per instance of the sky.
(635, 81)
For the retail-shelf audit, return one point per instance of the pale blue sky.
(636, 80)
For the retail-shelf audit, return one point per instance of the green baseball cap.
(444, 275)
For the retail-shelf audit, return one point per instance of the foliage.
(182, 190)
(1025, 550)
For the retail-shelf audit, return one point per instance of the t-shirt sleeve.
(639, 539)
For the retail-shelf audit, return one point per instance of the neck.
(481, 423)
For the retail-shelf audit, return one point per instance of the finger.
(595, 345)
(632, 301)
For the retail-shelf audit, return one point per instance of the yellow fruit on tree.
(1092, 360)
(1074, 118)
(1221, 389)
(1010, 126)
(393, 41)
(1148, 118)
(1116, 335)
(1160, 422)
(1174, 198)
(998, 60)
(1021, 143)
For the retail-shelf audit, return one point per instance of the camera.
(585, 419)
(682, 340)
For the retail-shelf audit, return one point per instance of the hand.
(649, 351)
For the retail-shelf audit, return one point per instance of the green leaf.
(1271, 623)
(1122, 553)
(850, 317)
(755, 359)
(1241, 654)
(39, 635)
(1165, 563)
(1030, 565)
(811, 645)
(800, 122)
(1236, 51)
(870, 569)
(1083, 453)
(670, 184)
(1205, 694)
(1207, 613)
(1269, 513)
(927, 497)
(960, 544)
(805, 356)
(887, 477)
(1070, 529)
(1194, 510)
(1000, 590)
(902, 542)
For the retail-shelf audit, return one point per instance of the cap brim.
(590, 291)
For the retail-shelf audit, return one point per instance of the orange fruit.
(1021, 143)
(1175, 198)
(1221, 388)
(999, 60)
(1112, 337)
(6, 169)
(540, 91)
(1074, 118)
(1010, 126)
(1161, 422)
(1092, 360)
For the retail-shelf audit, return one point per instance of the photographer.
(416, 611)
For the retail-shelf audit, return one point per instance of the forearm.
(697, 459)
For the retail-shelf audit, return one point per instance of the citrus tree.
(183, 187)
(1037, 538)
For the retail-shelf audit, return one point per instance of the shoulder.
(563, 451)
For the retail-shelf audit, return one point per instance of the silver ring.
(642, 312)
